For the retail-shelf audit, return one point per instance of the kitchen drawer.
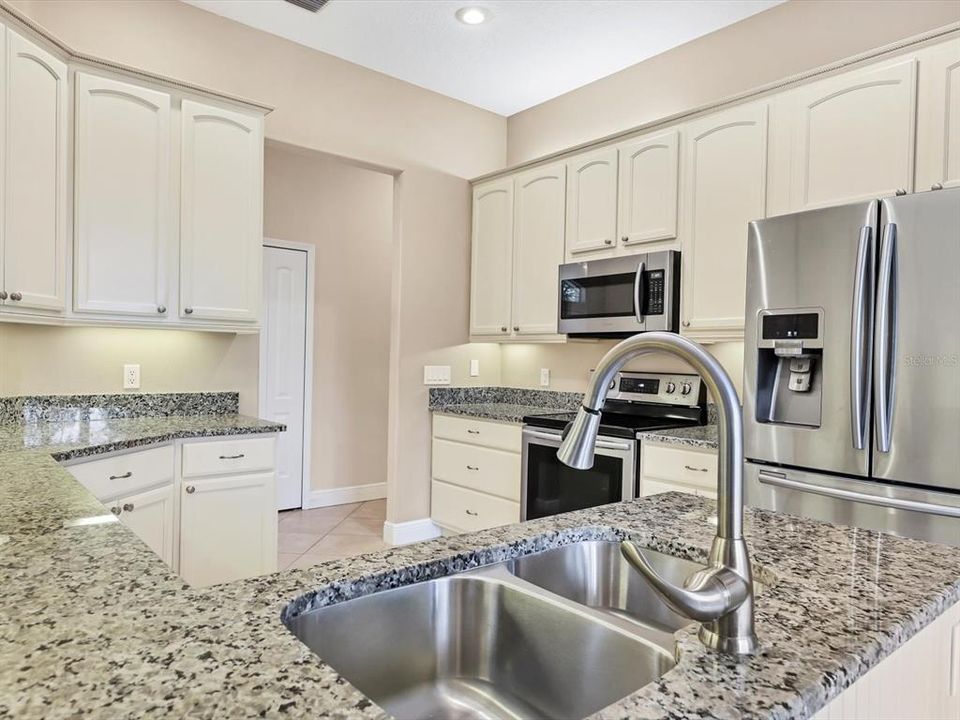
(221, 457)
(697, 468)
(458, 508)
(120, 475)
(480, 468)
(503, 436)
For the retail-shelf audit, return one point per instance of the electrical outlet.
(131, 377)
(544, 377)
(474, 368)
(436, 374)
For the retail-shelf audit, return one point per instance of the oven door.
(549, 487)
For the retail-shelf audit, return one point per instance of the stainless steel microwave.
(618, 297)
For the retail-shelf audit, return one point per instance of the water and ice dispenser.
(790, 367)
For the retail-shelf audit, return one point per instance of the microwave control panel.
(655, 281)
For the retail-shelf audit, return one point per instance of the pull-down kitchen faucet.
(720, 596)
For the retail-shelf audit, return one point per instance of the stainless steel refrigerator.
(852, 365)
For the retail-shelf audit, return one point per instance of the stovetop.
(612, 424)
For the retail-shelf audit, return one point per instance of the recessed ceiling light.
(473, 15)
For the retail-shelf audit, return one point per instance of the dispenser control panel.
(798, 326)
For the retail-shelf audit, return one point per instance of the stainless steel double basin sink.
(559, 634)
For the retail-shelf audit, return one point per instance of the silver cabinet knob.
(901, 191)
(686, 323)
(516, 328)
(128, 507)
(625, 238)
(115, 510)
(188, 311)
(608, 241)
(3, 294)
(191, 489)
(161, 309)
(16, 296)
(937, 186)
(503, 328)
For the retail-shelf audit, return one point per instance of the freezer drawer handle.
(782, 481)
(861, 328)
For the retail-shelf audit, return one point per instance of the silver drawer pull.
(471, 512)
(473, 432)
(127, 474)
(128, 507)
(693, 469)
(231, 457)
(472, 467)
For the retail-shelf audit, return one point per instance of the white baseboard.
(344, 495)
(408, 532)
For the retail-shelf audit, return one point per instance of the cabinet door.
(123, 193)
(492, 258)
(854, 136)
(648, 189)
(228, 528)
(724, 189)
(33, 244)
(537, 248)
(150, 515)
(938, 117)
(221, 211)
(591, 226)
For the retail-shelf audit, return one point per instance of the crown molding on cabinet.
(9, 13)
(891, 49)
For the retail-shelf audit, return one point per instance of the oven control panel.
(672, 389)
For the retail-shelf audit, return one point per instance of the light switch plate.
(131, 377)
(474, 368)
(436, 374)
(544, 377)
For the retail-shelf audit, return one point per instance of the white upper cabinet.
(591, 227)
(647, 208)
(724, 170)
(34, 152)
(123, 198)
(221, 213)
(854, 136)
(938, 117)
(492, 258)
(538, 237)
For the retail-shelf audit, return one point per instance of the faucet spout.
(722, 595)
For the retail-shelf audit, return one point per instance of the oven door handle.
(558, 438)
(782, 481)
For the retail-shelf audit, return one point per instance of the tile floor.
(308, 537)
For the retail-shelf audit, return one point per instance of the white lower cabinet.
(669, 468)
(476, 473)
(228, 528)
(152, 517)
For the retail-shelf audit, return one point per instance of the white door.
(123, 197)
(228, 528)
(33, 244)
(492, 254)
(283, 363)
(854, 136)
(725, 170)
(938, 117)
(539, 196)
(648, 190)
(221, 211)
(150, 515)
(591, 230)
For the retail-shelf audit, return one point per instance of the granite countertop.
(503, 412)
(95, 624)
(701, 436)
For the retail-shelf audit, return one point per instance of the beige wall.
(347, 213)
(40, 360)
(787, 39)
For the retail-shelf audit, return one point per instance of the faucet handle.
(708, 594)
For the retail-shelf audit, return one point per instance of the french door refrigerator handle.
(637, 296)
(782, 481)
(886, 350)
(860, 331)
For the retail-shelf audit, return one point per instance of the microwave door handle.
(638, 292)
(860, 330)
(886, 349)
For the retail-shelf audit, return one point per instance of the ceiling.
(530, 51)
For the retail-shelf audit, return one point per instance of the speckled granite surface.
(702, 436)
(94, 625)
(495, 395)
(502, 412)
(63, 408)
